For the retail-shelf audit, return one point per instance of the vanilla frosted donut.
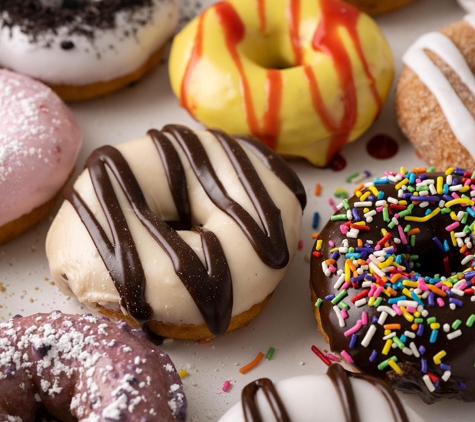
(85, 368)
(339, 396)
(39, 143)
(190, 232)
(435, 97)
(85, 48)
(305, 78)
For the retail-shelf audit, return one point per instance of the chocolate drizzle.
(249, 404)
(340, 379)
(209, 284)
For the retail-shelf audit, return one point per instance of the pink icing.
(39, 143)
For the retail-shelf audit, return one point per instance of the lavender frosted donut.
(85, 368)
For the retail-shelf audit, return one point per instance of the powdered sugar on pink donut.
(39, 143)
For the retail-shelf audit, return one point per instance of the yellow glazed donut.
(304, 77)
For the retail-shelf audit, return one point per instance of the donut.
(85, 48)
(185, 233)
(85, 368)
(39, 144)
(435, 96)
(338, 396)
(391, 280)
(304, 78)
(376, 7)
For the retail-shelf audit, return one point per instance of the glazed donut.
(85, 368)
(304, 78)
(391, 279)
(339, 396)
(435, 96)
(187, 232)
(375, 7)
(85, 48)
(39, 144)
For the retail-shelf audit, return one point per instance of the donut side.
(391, 283)
(376, 7)
(432, 121)
(81, 367)
(188, 233)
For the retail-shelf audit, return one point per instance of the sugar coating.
(39, 143)
(70, 365)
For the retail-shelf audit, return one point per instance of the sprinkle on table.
(226, 386)
(252, 364)
(270, 353)
(183, 373)
(322, 357)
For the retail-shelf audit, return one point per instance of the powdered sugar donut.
(39, 143)
(189, 232)
(85, 48)
(339, 396)
(81, 367)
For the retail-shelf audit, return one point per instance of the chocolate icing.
(341, 381)
(429, 261)
(209, 285)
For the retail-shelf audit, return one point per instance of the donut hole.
(267, 53)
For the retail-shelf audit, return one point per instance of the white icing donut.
(313, 398)
(78, 269)
(92, 54)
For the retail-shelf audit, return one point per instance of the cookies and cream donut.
(39, 144)
(85, 48)
(435, 97)
(305, 78)
(188, 231)
(85, 368)
(375, 7)
(338, 396)
(392, 281)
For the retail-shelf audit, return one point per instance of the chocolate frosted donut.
(340, 396)
(85, 368)
(187, 232)
(392, 276)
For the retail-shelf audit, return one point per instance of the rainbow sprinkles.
(392, 278)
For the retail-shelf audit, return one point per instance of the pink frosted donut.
(39, 143)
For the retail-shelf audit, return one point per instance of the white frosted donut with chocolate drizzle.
(435, 97)
(187, 232)
(339, 396)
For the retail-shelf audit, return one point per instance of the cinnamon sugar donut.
(392, 279)
(186, 232)
(39, 144)
(435, 97)
(85, 368)
(85, 48)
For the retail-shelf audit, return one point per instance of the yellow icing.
(214, 93)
